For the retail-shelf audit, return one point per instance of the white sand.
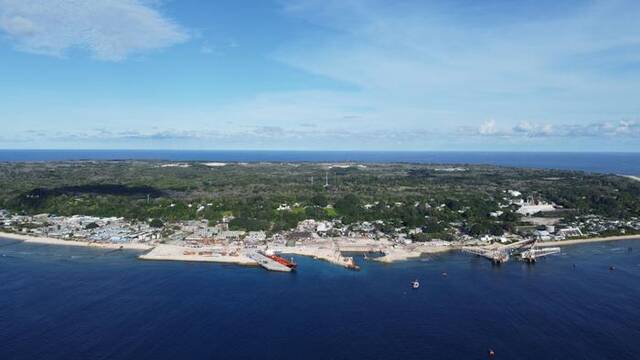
(214, 164)
(590, 240)
(52, 241)
(406, 253)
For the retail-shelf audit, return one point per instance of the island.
(244, 213)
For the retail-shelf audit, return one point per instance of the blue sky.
(320, 75)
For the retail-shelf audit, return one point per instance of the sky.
(462, 75)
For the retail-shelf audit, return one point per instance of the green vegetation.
(400, 195)
(156, 223)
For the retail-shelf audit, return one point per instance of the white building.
(255, 236)
(531, 207)
(570, 232)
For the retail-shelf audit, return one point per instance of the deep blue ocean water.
(617, 163)
(59, 302)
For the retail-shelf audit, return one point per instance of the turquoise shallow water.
(59, 302)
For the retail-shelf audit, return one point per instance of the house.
(307, 225)
(514, 193)
(255, 236)
(230, 235)
(324, 226)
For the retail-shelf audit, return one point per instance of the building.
(255, 236)
(570, 232)
(531, 207)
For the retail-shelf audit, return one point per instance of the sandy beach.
(589, 240)
(402, 254)
(52, 241)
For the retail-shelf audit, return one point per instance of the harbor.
(197, 301)
(526, 250)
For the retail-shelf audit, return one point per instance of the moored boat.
(288, 263)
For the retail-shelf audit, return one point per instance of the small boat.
(415, 284)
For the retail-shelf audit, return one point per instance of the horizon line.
(332, 151)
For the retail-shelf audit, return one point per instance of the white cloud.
(219, 48)
(463, 62)
(488, 128)
(533, 130)
(624, 128)
(109, 29)
(604, 129)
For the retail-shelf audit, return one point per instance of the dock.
(526, 250)
(497, 256)
(533, 254)
(266, 262)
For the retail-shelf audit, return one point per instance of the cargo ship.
(288, 263)
(267, 262)
(280, 260)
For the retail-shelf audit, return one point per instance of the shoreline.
(395, 255)
(31, 239)
(588, 240)
(166, 252)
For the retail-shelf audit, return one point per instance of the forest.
(276, 196)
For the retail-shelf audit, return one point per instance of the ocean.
(604, 162)
(59, 302)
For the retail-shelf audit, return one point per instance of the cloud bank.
(109, 30)
(622, 129)
(454, 63)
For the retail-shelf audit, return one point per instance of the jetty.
(533, 254)
(526, 250)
